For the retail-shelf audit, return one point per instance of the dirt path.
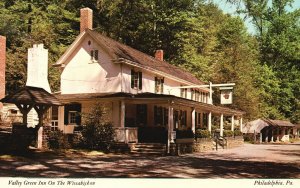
(249, 161)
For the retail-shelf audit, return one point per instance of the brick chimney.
(37, 67)
(2, 67)
(86, 19)
(159, 54)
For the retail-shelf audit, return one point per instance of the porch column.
(241, 124)
(209, 122)
(272, 137)
(201, 120)
(221, 125)
(170, 128)
(232, 123)
(122, 114)
(267, 135)
(193, 119)
(61, 118)
(260, 137)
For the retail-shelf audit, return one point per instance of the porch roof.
(31, 96)
(152, 96)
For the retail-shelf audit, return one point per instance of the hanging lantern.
(226, 95)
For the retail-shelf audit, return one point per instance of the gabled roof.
(126, 54)
(31, 95)
(259, 124)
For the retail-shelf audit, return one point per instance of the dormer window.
(136, 80)
(159, 85)
(94, 55)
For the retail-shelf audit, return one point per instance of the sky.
(231, 9)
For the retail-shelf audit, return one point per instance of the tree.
(278, 36)
(31, 22)
(97, 132)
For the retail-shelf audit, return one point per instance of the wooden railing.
(126, 134)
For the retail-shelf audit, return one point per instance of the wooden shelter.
(32, 97)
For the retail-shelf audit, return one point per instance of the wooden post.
(122, 112)
(221, 124)
(209, 122)
(24, 110)
(232, 123)
(241, 124)
(193, 120)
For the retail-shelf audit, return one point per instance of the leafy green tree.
(30, 22)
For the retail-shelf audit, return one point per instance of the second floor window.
(183, 92)
(136, 80)
(94, 55)
(159, 85)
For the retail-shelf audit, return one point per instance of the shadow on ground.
(50, 164)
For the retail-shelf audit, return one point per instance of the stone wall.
(22, 137)
(233, 142)
(203, 144)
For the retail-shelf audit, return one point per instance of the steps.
(157, 149)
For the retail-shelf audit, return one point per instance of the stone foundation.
(22, 137)
(202, 145)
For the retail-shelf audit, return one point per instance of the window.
(197, 94)
(136, 80)
(141, 111)
(183, 118)
(72, 114)
(192, 94)
(183, 92)
(13, 111)
(159, 85)
(94, 55)
(54, 118)
(160, 116)
(72, 117)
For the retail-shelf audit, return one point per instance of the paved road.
(249, 161)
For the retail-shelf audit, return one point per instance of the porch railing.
(126, 134)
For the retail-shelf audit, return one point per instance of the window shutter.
(140, 80)
(92, 54)
(96, 55)
(66, 118)
(132, 78)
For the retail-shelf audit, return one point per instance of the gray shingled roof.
(123, 51)
(31, 95)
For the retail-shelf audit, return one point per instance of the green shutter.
(140, 80)
(132, 78)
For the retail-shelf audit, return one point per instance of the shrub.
(238, 133)
(184, 134)
(97, 133)
(58, 140)
(227, 133)
(98, 136)
(202, 133)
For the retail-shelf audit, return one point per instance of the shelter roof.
(31, 95)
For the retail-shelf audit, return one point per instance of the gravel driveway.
(249, 161)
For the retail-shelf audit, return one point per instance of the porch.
(154, 118)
